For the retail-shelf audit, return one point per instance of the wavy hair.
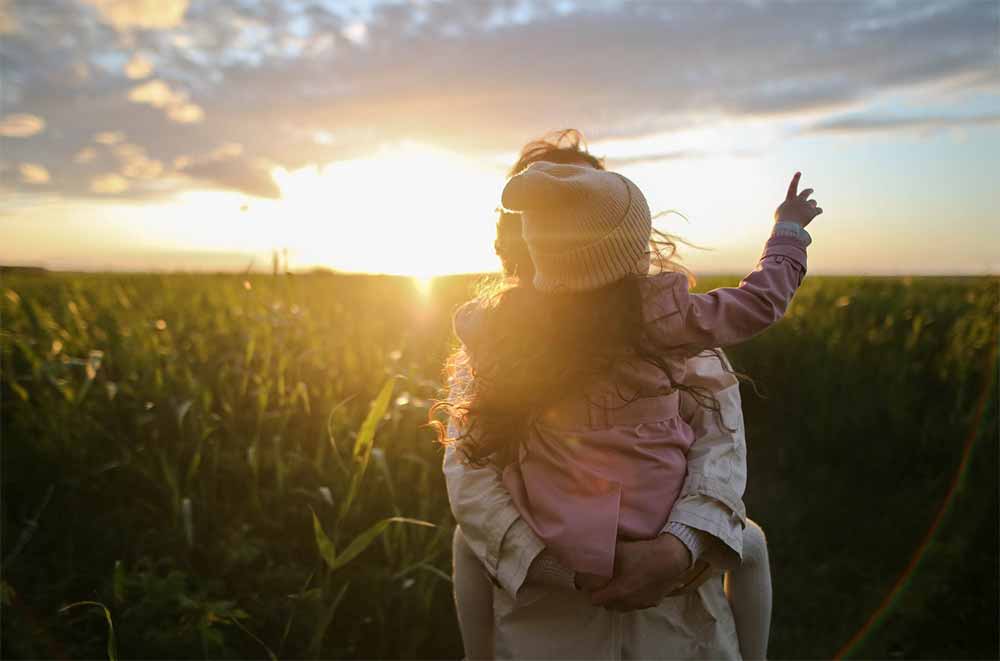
(537, 347)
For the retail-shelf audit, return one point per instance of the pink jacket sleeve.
(689, 323)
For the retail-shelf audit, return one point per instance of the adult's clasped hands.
(646, 573)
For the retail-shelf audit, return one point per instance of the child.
(588, 365)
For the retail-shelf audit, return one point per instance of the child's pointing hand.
(797, 207)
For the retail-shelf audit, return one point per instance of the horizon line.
(325, 270)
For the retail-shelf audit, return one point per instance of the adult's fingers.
(616, 590)
(794, 186)
(812, 203)
(613, 591)
(804, 195)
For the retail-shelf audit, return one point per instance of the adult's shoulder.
(710, 369)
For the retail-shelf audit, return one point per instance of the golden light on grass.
(424, 285)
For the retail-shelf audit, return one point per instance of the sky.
(375, 136)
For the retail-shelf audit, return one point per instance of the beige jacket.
(540, 621)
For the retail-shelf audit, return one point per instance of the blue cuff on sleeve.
(794, 230)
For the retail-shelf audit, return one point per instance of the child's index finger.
(793, 187)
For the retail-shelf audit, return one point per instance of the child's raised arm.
(689, 323)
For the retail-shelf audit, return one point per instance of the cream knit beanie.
(585, 228)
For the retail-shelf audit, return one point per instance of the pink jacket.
(598, 468)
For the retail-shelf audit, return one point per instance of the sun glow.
(423, 285)
(409, 209)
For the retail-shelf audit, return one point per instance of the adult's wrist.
(693, 539)
(674, 553)
(547, 570)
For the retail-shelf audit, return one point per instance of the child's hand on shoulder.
(590, 582)
(797, 207)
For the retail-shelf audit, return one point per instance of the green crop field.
(235, 467)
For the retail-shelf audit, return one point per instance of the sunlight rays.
(409, 209)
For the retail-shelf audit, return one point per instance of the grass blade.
(363, 443)
(325, 545)
(362, 541)
(112, 644)
(270, 654)
(317, 640)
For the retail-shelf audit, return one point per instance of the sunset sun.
(409, 205)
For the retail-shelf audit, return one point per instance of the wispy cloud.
(869, 124)
(174, 103)
(226, 166)
(478, 76)
(21, 125)
(138, 67)
(108, 183)
(125, 14)
(33, 173)
(8, 23)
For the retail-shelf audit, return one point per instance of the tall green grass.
(235, 467)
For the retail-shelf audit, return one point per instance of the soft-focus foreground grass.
(218, 461)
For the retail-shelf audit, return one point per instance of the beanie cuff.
(584, 228)
(617, 255)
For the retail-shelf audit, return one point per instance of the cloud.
(474, 77)
(680, 154)
(33, 173)
(8, 22)
(870, 124)
(174, 103)
(155, 93)
(643, 69)
(135, 163)
(356, 32)
(185, 113)
(109, 137)
(138, 67)
(109, 184)
(85, 155)
(147, 14)
(226, 166)
(143, 169)
(21, 125)
(226, 151)
(243, 175)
